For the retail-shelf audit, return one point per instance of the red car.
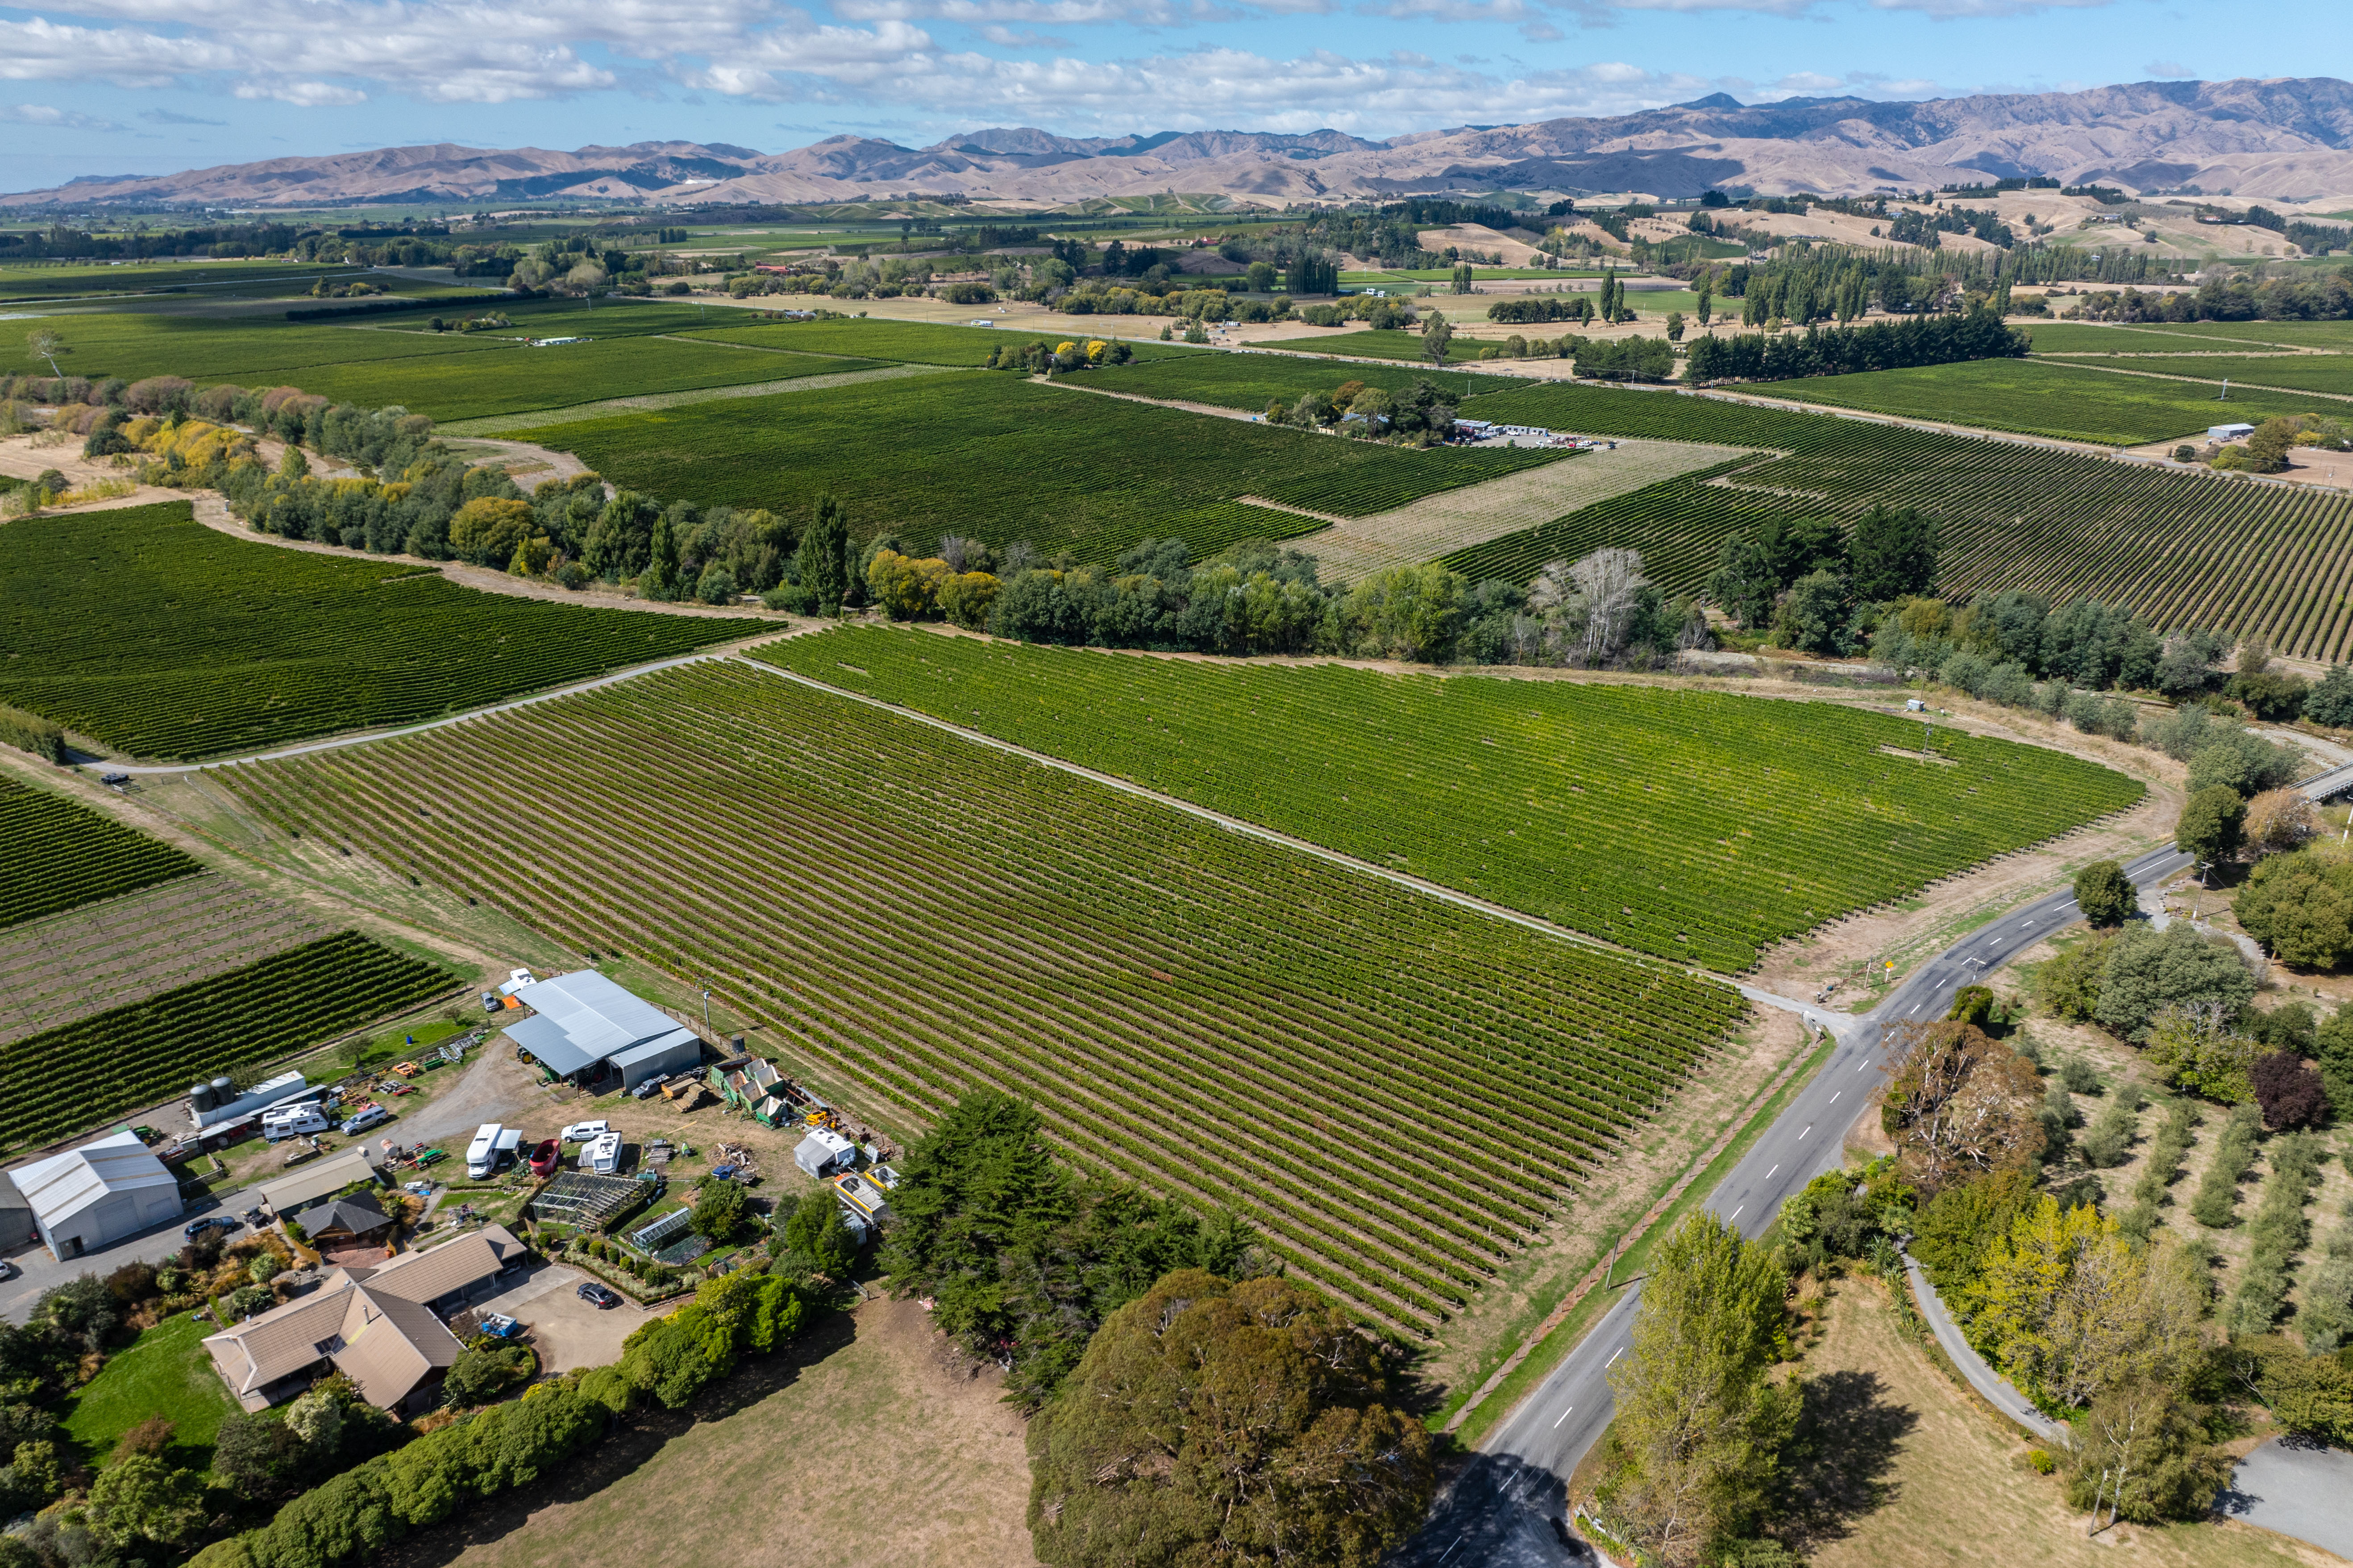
(544, 1157)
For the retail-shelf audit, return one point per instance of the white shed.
(824, 1151)
(86, 1197)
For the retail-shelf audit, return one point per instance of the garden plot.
(124, 949)
(1456, 520)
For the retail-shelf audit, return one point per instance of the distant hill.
(2287, 140)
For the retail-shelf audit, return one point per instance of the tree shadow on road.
(1836, 1466)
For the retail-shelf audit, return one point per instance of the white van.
(585, 1131)
(292, 1122)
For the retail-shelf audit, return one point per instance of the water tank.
(200, 1097)
(223, 1090)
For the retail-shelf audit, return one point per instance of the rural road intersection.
(1506, 1511)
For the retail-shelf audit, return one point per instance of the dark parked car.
(196, 1228)
(596, 1295)
(647, 1089)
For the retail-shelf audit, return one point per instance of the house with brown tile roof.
(380, 1327)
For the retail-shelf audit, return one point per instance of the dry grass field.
(1936, 1479)
(867, 1446)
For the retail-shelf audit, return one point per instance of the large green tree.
(824, 559)
(1020, 1258)
(1212, 1422)
(1694, 1449)
(2105, 893)
(2211, 824)
(2301, 907)
(1891, 553)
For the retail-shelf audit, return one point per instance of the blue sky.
(103, 87)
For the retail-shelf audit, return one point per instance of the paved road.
(1997, 1390)
(1506, 1509)
(2303, 1491)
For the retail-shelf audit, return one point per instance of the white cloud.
(1017, 38)
(1958, 10)
(2167, 68)
(48, 114)
(303, 94)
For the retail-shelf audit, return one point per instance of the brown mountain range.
(2286, 139)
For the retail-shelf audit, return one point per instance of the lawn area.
(164, 1372)
(2039, 398)
(861, 1443)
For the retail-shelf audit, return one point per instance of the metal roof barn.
(101, 1192)
(586, 1019)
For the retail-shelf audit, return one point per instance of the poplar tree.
(824, 556)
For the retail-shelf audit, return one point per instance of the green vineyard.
(2046, 396)
(926, 342)
(145, 630)
(1002, 459)
(2182, 549)
(67, 1080)
(56, 855)
(1691, 824)
(1396, 1090)
(1252, 381)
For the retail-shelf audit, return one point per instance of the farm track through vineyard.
(1696, 825)
(2182, 549)
(1396, 1090)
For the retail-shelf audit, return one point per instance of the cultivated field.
(1690, 824)
(1396, 343)
(929, 342)
(2183, 549)
(64, 1079)
(106, 954)
(1002, 459)
(1393, 1089)
(2151, 337)
(2039, 396)
(150, 632)
(1456, 520)
(59, 854)
(2328, 374)
(1252, 381)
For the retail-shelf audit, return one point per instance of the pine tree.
(824, 558)
(660, 579)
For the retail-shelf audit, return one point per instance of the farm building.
(315, 1182)
(381, 1327)
(99, 1192)
(2228, 432)
(589, 1030)
(16, 1227)
(349, 1222)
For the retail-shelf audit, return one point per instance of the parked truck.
(493, 1145)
